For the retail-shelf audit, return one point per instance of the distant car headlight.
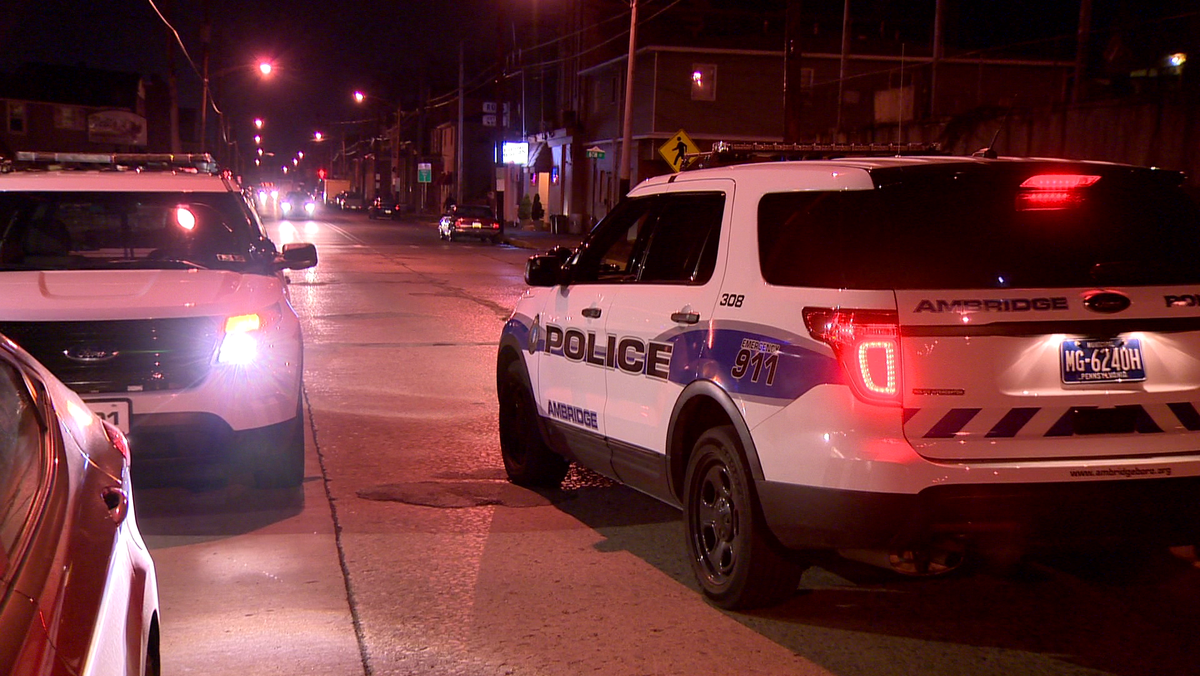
(310, 207)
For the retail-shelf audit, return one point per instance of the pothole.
(481, 489)
(456, 494)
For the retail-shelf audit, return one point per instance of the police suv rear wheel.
(732, 554)
(527, 459)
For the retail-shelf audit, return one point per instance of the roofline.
(1054, 63)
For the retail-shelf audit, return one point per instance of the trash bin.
(558, 224)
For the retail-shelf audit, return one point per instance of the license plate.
(1102, 361)
(115, 411)
(477, 224)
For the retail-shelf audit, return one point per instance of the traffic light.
(321, 174)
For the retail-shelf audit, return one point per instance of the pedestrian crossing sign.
(676, 149)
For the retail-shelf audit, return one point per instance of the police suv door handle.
(685, 317)
(591, 312)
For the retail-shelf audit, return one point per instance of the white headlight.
(238, 349)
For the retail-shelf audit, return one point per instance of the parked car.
(80, 591)
(470, 220)
(297, 205)
(910, 360)
(352, 201)
(157, 295)
(382, 206)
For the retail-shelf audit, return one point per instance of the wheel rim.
(715, 523)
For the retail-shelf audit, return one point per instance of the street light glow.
(265, 67)
(318, 136)
(258, 123)
(359, 96)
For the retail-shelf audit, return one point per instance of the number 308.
(732, 299)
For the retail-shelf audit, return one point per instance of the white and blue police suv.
(917, 357)
(148, 285)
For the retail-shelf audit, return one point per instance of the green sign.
(424, 172)
(595, 153)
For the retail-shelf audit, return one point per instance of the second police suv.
(920, 357)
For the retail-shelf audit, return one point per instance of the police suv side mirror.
(298, 256)
(544, 270)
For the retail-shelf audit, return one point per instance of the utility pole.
(939, 53)
(627, 121)
(205, 35)
(458, 144)
(793, 99)
(1081, 49)
(172, 91)
(842, 66)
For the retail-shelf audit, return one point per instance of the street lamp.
(264, 68)
(382, 122)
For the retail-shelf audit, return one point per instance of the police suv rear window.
(1020, 224)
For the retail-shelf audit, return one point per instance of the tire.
(281, 464)
(528, 460)
(734, 557)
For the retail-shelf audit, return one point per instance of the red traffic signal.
(321, 173)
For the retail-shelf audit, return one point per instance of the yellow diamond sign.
(676, 148)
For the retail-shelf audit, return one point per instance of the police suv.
(148, 285)
(912, 358)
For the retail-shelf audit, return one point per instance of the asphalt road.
(406, 552)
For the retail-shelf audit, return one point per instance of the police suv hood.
(83, 295)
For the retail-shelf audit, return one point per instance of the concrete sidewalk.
(539, 240)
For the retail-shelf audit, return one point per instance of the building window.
(806, 78)
(69, 117)
(604, 92)
(16, 117)
(704, 82)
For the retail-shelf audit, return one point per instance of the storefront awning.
(541, 158)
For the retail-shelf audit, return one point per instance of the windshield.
(90, 230)
(984, 227)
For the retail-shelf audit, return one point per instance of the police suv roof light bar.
(726, 153)
(199, 162)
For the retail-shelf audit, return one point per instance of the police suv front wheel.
(732, 554)
(527, 459)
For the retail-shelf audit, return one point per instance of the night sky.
(325, 50)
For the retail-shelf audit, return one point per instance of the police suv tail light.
(866, 344)
(1053, 191)
(242, 335)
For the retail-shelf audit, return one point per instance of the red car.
(472, 221)
(78, 593)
